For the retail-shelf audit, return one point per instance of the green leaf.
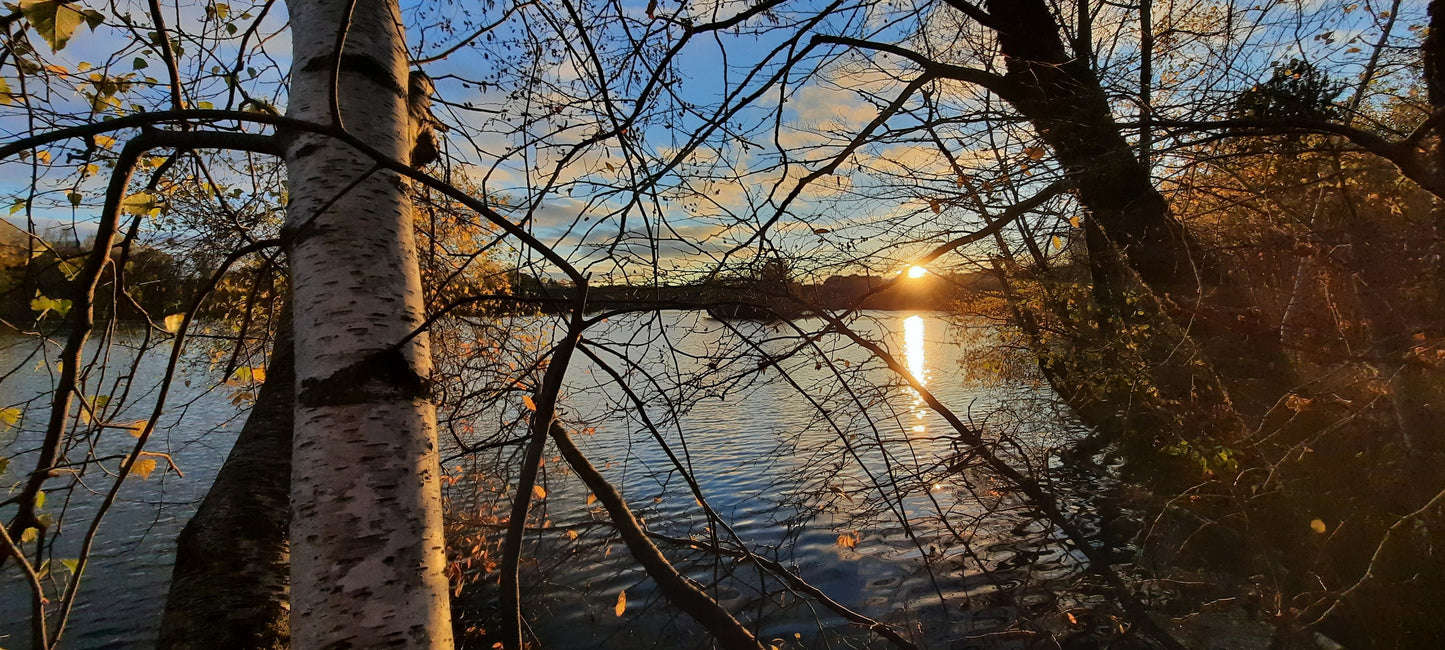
(55, 22)
(139, 64)
(4, 463)
(5, 97)
(74, 197)
(70, 564)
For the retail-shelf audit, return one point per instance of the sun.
(917, 271)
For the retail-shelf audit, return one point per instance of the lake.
(822, 461)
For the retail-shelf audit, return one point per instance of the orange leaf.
(527, 402)
(621, 603)
(143, 467)
(539, 492)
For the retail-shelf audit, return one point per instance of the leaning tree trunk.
(230, 583)
(1063, 98)
(367, 554)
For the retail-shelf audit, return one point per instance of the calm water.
(828, 465)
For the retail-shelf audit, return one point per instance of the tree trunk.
(367, 554)
(1062, 97)
(230, 583)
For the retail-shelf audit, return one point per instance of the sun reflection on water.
(913, 344)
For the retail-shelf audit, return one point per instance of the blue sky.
(878, 210)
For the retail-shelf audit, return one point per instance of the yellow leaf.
(104, 141)
(56, 21)
(527, 402)
(1318, 526)
(258, 374)
(138, 427)
(43, 156)
(138, 203)
(5, 97)
(144, 467)
(621, 603)
(9, 417)
(173, 322)
(1058, 243)
(539, 492)
(1075, 222)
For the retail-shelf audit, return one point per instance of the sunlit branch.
(680, 591)
(168, 55)
(543, 418)
(38, 628)
(1411, 163)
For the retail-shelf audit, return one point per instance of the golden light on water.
(913, 344)
(917, 272)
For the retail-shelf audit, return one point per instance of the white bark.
(367, 554)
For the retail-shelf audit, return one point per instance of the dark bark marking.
(358, 64)
(306, 150)
(385, 373)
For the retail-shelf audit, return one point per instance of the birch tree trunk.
(367, 553)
